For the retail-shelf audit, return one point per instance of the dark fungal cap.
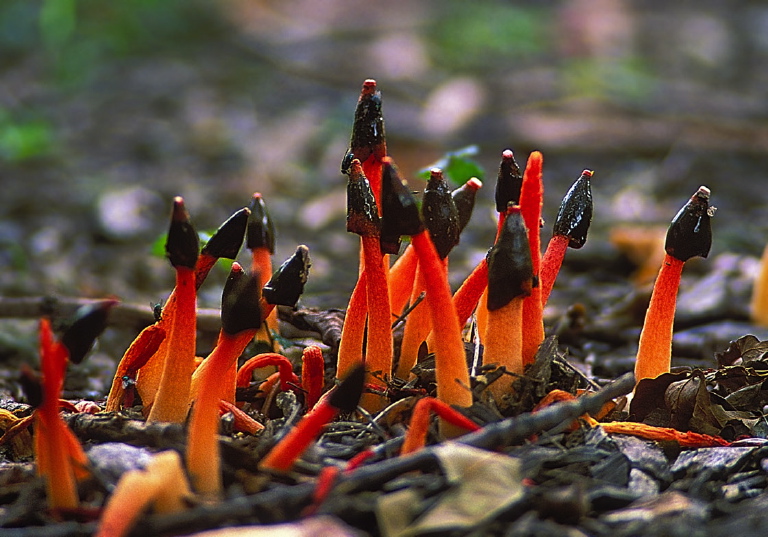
(509, 181)
(690, 233)
(346, 396)
(368, 136)
(362, 211)
(400, 213)
(228, 239)
(261, 229)
(182, 245)
(89, 322)
(575, 212)
(464, 198)
(287, 283)
(440, 213)
(240, 302)
(510, 270)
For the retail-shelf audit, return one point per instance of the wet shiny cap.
(368, 129)
(575, 214)
(182, 245)
(362, 212)
(509, 182)
(400, 214)
(240, 308)
(441, 217)
(464, 198)
(690, 233)
(261, 229)
(346, 396)
(89, 322)
(510, 270)
(287, 283)
(228, 239)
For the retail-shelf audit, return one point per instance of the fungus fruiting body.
(510, 279)
(401, 215)
(531, 199)
(224, 243)
(240, 314)
(570, 230)
(689, 235)
(182, 248)
(343, 398)
(758, 307)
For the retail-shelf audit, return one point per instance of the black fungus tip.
(690, 233)
(441, 217)
(362, 211)
(240, 308)
(228, 239)
(182, 245)
(400, 213)
(368, 129)
(89, 322)
(464, 198)
(31, 386)
(287, 283)
(347, 395)
(575, 214)
(510, 270)
(509, 182)
(346, 161)
(261, 229)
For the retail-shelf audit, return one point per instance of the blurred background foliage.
(108, 109)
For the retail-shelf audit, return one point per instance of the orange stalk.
(551, 263)
(378, 353)
(401, 217)
(353, 331)
(260, 240)
(239, 315)
(416, 436)
(312, 375)
(141, 350)
(467, 296)
(285, 370)
(52, 448)
(225, 243)
(343, 398)
(182, 246)
(758, 306)
(242, 421)
(401, 278)
(531, 200)
(417, 327)
(689, 235)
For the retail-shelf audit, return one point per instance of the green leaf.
(458, 166)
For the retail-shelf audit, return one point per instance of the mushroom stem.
(312, 375)
(416, 436)
(353, 330)
(141, 350)
(531, 199)
(655, 348)
(758, 307)
(551, 263)
(401, 278)
(417, 327)
(240, 318)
